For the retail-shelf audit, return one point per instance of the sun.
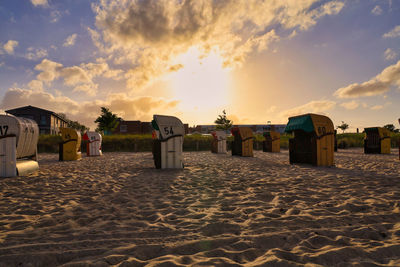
(201, 81)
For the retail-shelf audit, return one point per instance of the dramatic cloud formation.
(390, 54)
(70, 41)
(150, 34)
(40, 3)
(395, 32)
(80, 76)
(319, 106)
(350, 105)
(139, 108)
(376, 86)
(10, 46)
(377, 10)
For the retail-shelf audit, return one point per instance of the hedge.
(195, 142)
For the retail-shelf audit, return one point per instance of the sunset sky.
(259, 60)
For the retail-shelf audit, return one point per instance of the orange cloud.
(150, 34)
(378, 85)
(79, 76)
(319, 106)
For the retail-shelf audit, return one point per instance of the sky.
(261, 61)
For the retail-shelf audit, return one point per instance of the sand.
(117, 210)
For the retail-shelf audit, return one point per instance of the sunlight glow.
(202, 81)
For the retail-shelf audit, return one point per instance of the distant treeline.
(195, 142)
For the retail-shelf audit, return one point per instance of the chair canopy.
(320, 124)
(168, 126)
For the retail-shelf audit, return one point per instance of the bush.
(142, 143)
(127, 143)
(357, 140)
(48, 143)
(197, 142)
(395, 140)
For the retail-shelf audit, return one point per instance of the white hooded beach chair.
(18, 146)
(168, 142)
(219, 142)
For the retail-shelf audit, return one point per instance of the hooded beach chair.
(18, 146)
(167, 142)
(243, 141)
(70, 147)
(377, 140)
(272, 142)
(218, 144)
(93, 146)
(313, 140)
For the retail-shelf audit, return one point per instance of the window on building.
(123, 128)
(43, 119)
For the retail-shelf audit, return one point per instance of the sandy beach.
(117, 210)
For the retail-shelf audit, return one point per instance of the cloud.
(81, 77)
(139, 108)
(88, 88)
(50, 70)
(350, 105)
(175, 67)
(36, 85)
(43, 3)
(70, 41)
(10, 46)
(380, 84)
(75, 75)
(377, 10)
(293, 34)
(96, 39)
(55, 16)
(149, 35)
(305, 20)
(389, 54)
(395, 32)
(377, 107)
(35, 53)
(259, 43)
(318, 106)
(16, 97)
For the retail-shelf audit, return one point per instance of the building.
(132, 127)
(48, 121)
(138, 127)
(276, 127)
(203, 129)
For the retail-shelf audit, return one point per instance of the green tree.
(223, 123)
(77, 126)
(73, 124)
(107, 121)
(344, 126)
(391, 128)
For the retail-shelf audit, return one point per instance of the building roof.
(41, 109)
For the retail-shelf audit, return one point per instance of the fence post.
(197, 145)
